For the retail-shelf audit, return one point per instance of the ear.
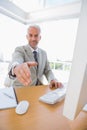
(40, 38)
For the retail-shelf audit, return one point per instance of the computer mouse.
(22, 107)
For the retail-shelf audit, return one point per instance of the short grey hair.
(35, 26)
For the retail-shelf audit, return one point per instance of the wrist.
(11, 72)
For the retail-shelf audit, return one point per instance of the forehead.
(33, 30)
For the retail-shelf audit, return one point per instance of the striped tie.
(36, 59)
(35, 56)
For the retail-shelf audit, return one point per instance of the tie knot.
(35, 52)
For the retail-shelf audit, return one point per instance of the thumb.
(31, 64)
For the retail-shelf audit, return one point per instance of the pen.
(15, 96)
(8, 95)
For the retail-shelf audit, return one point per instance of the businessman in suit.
(27, 70)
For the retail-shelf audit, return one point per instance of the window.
(58, 39)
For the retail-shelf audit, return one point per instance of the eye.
(36, 35)
(30, 35)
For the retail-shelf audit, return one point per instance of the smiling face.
(33, 36)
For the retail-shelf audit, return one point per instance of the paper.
(7, 98)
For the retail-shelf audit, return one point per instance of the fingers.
(31, 64)
(23, 74)
(55, 84)
(60, 84)
(51, 85)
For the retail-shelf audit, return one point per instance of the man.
(27, 70)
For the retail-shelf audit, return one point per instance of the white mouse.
(22, 107)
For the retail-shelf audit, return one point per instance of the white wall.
(58, 37)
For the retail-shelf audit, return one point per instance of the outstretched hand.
(23, 73)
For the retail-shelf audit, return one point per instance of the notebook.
(8, 98)
(54, 96)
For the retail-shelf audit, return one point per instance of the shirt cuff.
(11, 73)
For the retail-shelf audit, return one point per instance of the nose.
(33, 38)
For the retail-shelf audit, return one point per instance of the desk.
(40, 116)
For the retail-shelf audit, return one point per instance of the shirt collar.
(33, 49)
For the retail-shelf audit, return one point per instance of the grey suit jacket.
(24, 54)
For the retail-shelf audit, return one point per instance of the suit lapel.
(29, 54)
(39, 59)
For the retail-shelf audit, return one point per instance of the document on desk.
(8, 98)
